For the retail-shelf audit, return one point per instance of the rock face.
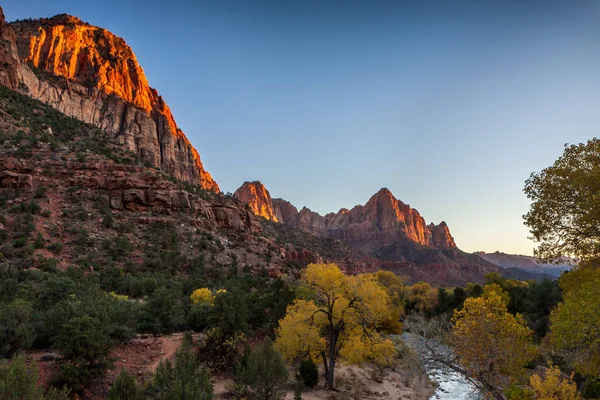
(383, 220)
(88, 73)
(259, 199)
(387, 232)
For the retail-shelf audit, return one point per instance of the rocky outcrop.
(383, 220)
(440, 236)
(259, 200)
(289, 213)
(88, 73)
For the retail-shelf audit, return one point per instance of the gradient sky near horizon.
(450, 104)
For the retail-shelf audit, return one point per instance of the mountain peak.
(258, 198)
(64, 19)
(107, 88)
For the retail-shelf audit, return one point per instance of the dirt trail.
(170, 344)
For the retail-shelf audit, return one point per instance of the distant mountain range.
(388, 231)
(527, 263)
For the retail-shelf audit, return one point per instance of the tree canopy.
(575, 328)
(491, 344)
(343, 321)
(565, 213)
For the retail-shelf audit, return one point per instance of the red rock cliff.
(383, 220)
(259, 199)
(103, 84)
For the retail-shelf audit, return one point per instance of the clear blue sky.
(450, 104)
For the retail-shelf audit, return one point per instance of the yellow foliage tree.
(202, 295)
(343, 321)
(491, 344)
(423, 296)
(553, 387)
(575, 324)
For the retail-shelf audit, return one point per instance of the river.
(451, 385)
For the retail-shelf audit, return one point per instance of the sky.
(451, 104)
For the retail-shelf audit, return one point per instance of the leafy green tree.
(266, 373)
(229, 313)
(124, 388)
(85, 346)
(15, 327)
(162, 312)
(565, 216)
(575, 326)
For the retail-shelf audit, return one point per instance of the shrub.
(40, 192)
(161, 313)
(19, 381)
(515, 392)
(229, 313)
(39, 241)
(124, 388)
(83, 342)
(55, 247)
(266, 373)
(185, 379)
(16, 331)
(591, 388)
(198, 316)
(308, 373)
(220, 351)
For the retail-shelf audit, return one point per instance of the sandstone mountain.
(387, 231)
(383, 220)
(88, 73)
(259, 199)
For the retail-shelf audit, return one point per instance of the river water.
(451, 385)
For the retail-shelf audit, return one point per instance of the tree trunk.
(331, 369)
(325, 367)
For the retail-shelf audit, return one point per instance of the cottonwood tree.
(343, 321)
(565, 219)
(483, 342)
(565, 213)
(552, 386)
(575, 324)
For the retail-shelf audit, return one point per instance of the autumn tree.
(422, 297)
(565, 212)
(575, 324)
(491, 345)
(342, 321)
(552, 386)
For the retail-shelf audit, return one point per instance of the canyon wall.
(88, 73)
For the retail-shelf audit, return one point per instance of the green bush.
(162, 312)
(15, 327)
(198, 316)
(266, 373)
(514, 392)
(185, 379)
(308, 373)
(19, 381)
(591, 388)
(124, 388)
(55, 247)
